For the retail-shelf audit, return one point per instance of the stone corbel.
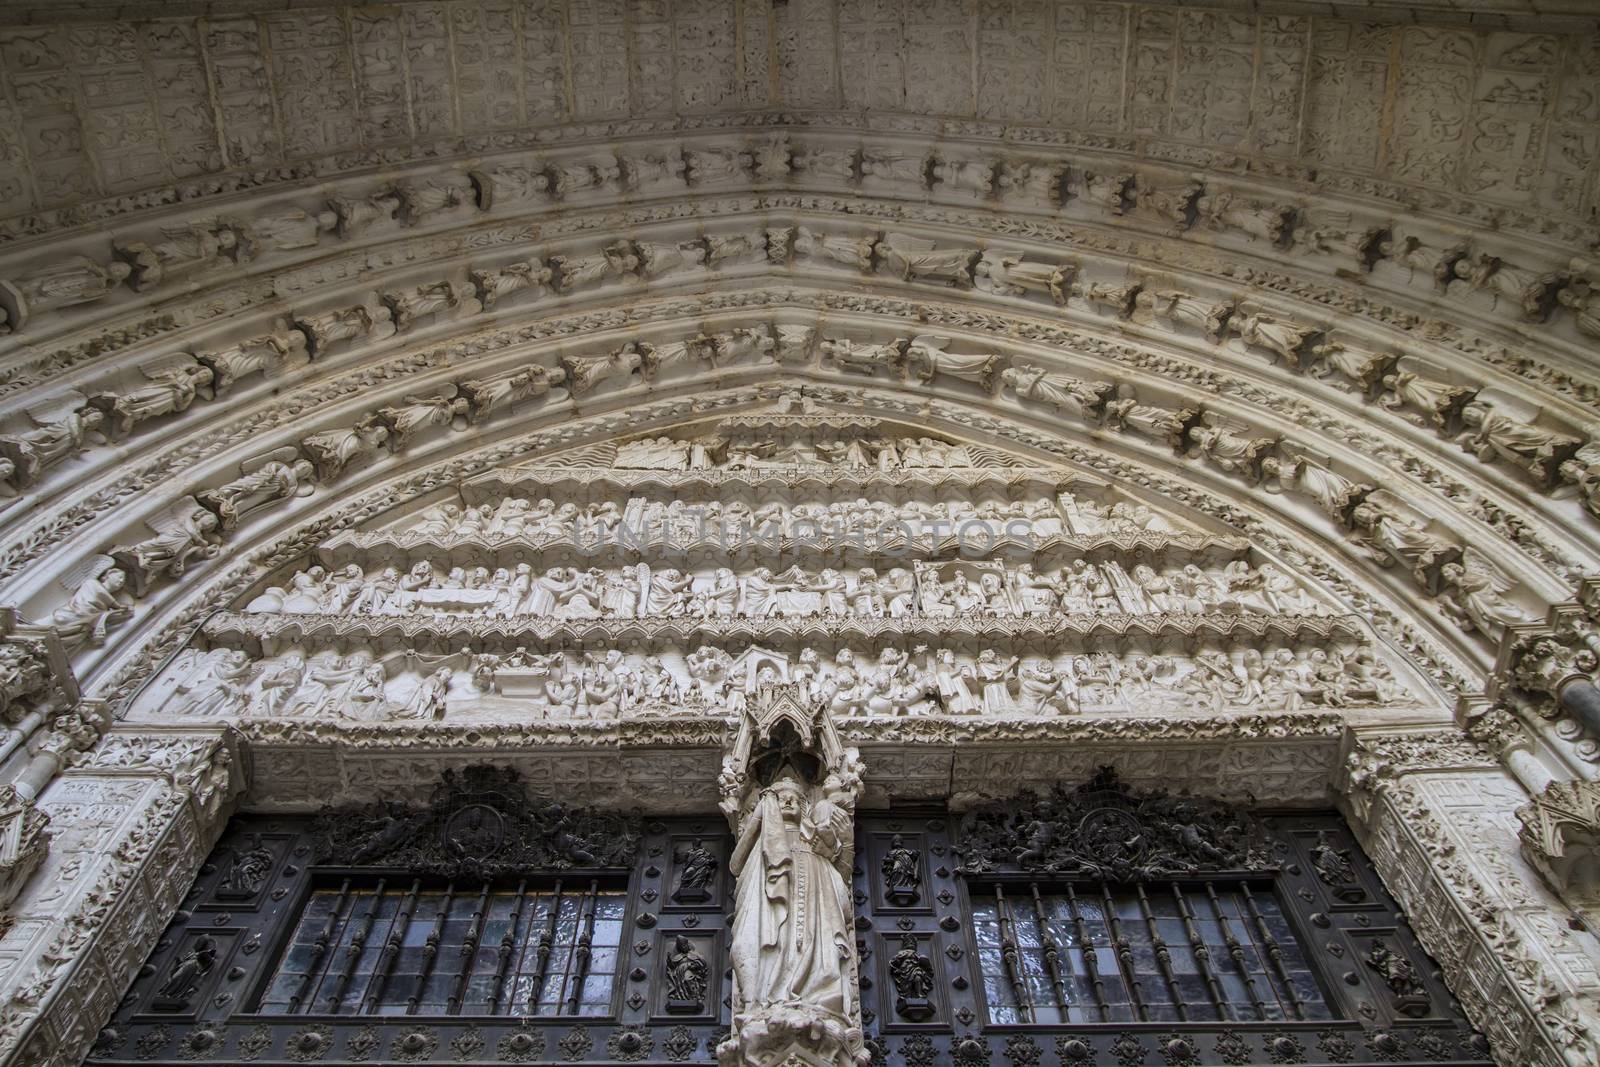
(1561, 834)
(789, 787)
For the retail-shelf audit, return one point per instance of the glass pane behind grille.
(376, 949)
(1159, 952)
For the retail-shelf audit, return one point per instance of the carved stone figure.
(1492, 434)
(1287, 339)
(180, 252)
(1010, 275)
(1366, 369)
(186, 531)
(1338, 233)
(452, 295)
(508, 186)
(851, 251)
(371, 321)
(416, 414)
(290, 229)
(650, 168)
(657, 258)
(1109, 192)
(357, 214)
(583, 373)
(266, 354)
(1228, 446)
(1148, 420)
(915, 259)
(739, 246)
(61, 430)
(912, 170)
(422, 197)
(1257, 218)
(1438, 400)
(485, 396)
(927, 358)
(94, 606)
(861, 358)
(494, 285)
(1532, 293)
(275, 480)
(1333, 493)
(1064, 392)
(1475, 596)
(1035, 179)
(570, 177)
(62, 283)
(1119, 299)
(574, 271)
(1174, 203)
(1397, 539)
(1184, 309)
(967, 176)
(331, 451)
(174, 385)
(839, 166)
(709, 166)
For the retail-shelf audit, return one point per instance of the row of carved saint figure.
(928, 589)
(411, 685)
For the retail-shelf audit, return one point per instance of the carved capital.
(1546, 665)
(1561, 832)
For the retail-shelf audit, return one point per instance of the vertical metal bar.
(1274, 952)
(1201, 951)
(1163, 954)
(547, 938)
(357, 945)
(1236, 952)
(319, 948)
(1010, 956)
(1124, 955)
(430, 947)
(1091, 964)
(392, 944)
(584, 951)
(508, 948)
(1052, 955)
(468, 952)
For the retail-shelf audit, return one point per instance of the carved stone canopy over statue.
(1104, 830)
(479, 823)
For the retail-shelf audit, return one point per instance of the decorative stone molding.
(1561, 834)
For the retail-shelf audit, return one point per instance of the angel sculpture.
(183, 250)
(585, 372)
(850, 251)
(256, 355)
(62, 283)
(61, 430)
(174, 384)
(1060, 391)
(184, 531)
(503, 281)
(1011, 275)
(1475, 596)
(487, 395)
(915, 259)
(927, 358)
(1287, 339)
(333, 450)
(862, 358)
(93, 607)
(422, 197)
(418, 413)
(279, 475)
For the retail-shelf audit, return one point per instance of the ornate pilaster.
(1439, 816)
(789, 789)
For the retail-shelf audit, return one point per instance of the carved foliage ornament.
(479, 823)
(1103, 830)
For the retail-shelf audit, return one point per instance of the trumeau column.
(1439, 816)
(789, 789)
(130, 822)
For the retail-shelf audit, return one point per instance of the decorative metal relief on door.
(490, 925)
(1100, 926)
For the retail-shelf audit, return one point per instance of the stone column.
(789, 790)
(1438, 814)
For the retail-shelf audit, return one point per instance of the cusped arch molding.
(282, 589)
(224, 472)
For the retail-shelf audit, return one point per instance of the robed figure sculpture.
(789, 789)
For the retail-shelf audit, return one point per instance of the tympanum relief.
(684, 573)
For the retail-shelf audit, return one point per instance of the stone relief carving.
(175, 383)
(61, 284)
(183, 251)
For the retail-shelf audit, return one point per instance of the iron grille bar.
(1274, 951)
(1202, 952)
(1091, 963)
(469, 952)
(358, 945)
(392, 944)
(547, 938)
(1163, 954)
(430, 948)
(584, 952)
(1052, 955)
(319, 948)
(1010, 956)
(1236, 952)
(508, 948)
(1124, 954)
